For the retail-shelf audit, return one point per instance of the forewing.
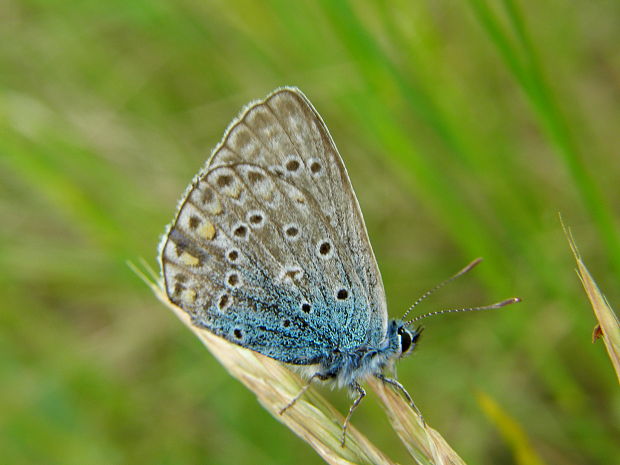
(269, 248)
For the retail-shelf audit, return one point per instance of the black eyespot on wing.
(342, 294)
(233, 279)
(324, 248)
(240, 231)
(292, 165)
(315, 167)
(223, 302)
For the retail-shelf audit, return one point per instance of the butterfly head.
(408, 338)
(402, 339)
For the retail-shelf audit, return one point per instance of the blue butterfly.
(269, 250)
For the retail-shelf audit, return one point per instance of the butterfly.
(269, 250)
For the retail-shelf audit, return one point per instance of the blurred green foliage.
(466, 127)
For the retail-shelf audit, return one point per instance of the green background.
(466, 128)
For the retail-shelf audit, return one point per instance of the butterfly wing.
(269, 248)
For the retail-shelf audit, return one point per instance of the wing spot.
(255, 177)
(207, 231)
(224, 180)
(292, 165)
(241, 231)
(194, 222)
(286, 323)
(238, 334)
(256, 218)
(224, 302)
(179, 249)
(178, 289)
(291, 231)
(325, 249)
(227, 183)
(292, 274)
(233, 280)
(342, 294)
(233, 255)
(189, 296)
(189, 260)
(207, 196)
(212, 205)
(315, 167)
(305, 307)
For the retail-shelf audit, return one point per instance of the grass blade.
(424, 443)
(608, 326)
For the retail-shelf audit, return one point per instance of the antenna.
(495, 306)
(442, 284)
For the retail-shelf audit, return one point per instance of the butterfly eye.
(405, 340)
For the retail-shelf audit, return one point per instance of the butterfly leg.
(362, 394)
(321, 376)
(402, 389)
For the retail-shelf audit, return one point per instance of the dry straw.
(312, 418)
(608, 327)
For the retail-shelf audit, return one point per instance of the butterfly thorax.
(348, 367)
